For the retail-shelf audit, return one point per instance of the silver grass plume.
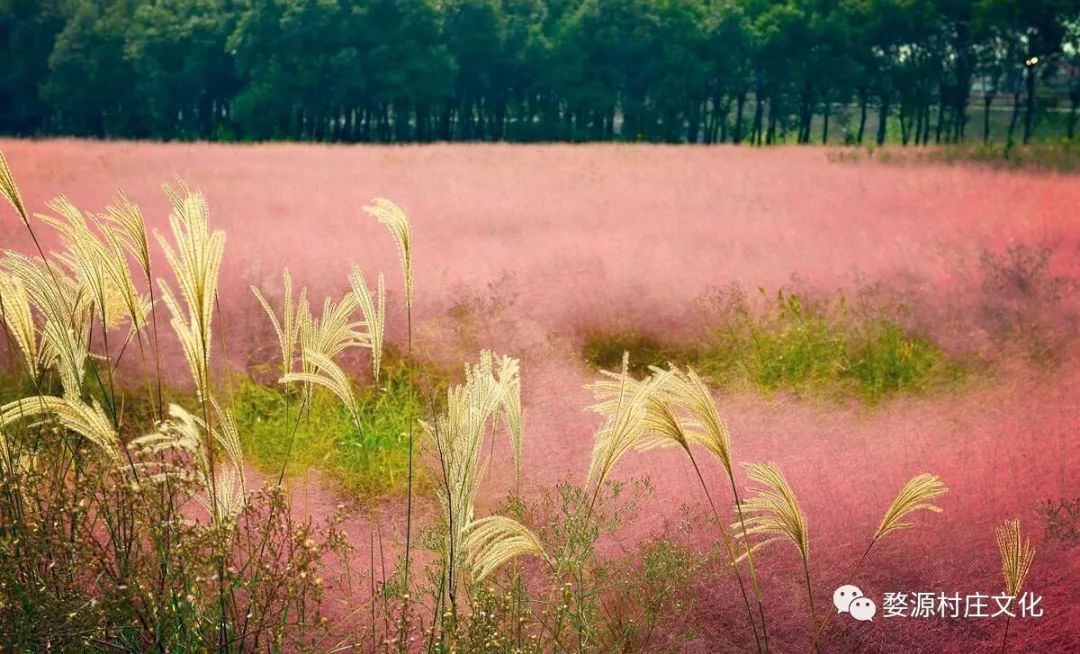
(86, 420)
(492, 541)
(66, 310)
(396, 220)
(623, 405)
(224, 493)
(916, 495)
(458, 435)
(1016, 555)
(10, 190)
(288, 328)
(373, 308)
(16, 313)
(328, 374)
(195, 259)
(773, 513)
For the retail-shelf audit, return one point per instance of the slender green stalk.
(851, 575)
(810, 597)
(731, 552)
(754, 583)
(409, 492)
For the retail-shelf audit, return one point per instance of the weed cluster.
(793, 343)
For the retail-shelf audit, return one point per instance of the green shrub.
(370, 461)
(793, 344)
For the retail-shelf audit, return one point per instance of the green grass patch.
(797, 345)
(371, 460)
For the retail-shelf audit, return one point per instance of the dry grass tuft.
(623, 402)
(396, 220)
(492, 541)
(773, 513)
(373, 308)
(288, 328)
(458, 436)
(1016, 556)
(914, 496)
(195, 259)
(10, 190)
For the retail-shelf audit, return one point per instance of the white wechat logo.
(842, 596)
(849, 599)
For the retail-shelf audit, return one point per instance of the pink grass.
(605, 236)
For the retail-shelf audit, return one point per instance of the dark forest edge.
(743, 71)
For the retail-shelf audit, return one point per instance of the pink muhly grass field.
(609, 236)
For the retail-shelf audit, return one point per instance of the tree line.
(757, 71)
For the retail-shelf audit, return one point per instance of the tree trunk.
(863, 99)
(883, 119)
(905, 127)
(739, 104)
(940, 121)
(770, 137)
(759, 111)
(1015, 118)
(825, 124)
(1029, 113)
(988, 99)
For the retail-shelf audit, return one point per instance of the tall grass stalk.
(918, 494)
(396, 220)
(646, 414)
(1016, 557)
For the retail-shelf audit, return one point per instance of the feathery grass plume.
(1016, 555)
(288, 328)
(16, 313)
(87, 420)
(662, 425)
(121, 279)
(10, 190)
(178, 432)
(228, 436)
(99, 264)
(333, 332)
(328, 374)
(123, 224)
(396, 220)
(373, 309)
(668, 391)
(685, 389)
(916, 495)
(195, 259)
(225, 490)
(322, 339)
(86, 258)
(227, 499)
(773, 513)
(508, 377)
(458, 435)
(625, 413)
(492, 541)
(66, 311)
